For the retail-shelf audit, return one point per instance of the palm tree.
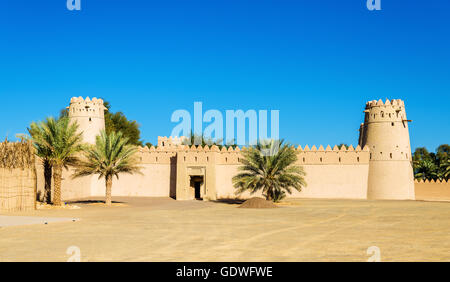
(269, 166)
(426, 170)
(110, 156)
(57, 142)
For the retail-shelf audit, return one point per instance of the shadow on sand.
(229, 201)
(91, 202)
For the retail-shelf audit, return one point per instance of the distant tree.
(118, 122)
(431, 166)
(275, 174)
(111, 155)
(342, 145)
(426, 170)
(207, 141)
(443, 153)
(421, 153)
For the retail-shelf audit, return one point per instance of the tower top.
(164, 141)
(387, 103)
(86, 107)
(388, 111)
(90, 116)
(87, 101)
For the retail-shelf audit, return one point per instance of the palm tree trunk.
(57, 178)
(108, 180)
(269, 195)
(48, 182)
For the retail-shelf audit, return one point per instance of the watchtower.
(385, 131)
(89, 114)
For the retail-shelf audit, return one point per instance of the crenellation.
(171, 143)
(438, 181)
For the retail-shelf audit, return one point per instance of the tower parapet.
(171, 142)
(89, 114)
(385, 131)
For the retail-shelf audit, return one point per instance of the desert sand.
(162, 229)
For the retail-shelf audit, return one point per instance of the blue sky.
(317, 62)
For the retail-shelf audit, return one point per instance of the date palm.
(426, 170)
(110, 156)
(57, 142)
(446, 169)
(269, 167)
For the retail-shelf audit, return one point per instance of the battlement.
(387, 103)
(80, 107)
(335, 155)
(431, 181)
(388, 111)
(232, 156)
(169, 142)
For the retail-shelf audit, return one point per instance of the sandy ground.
(7, 220)
(161, 229)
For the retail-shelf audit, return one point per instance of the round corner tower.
(385, 132)
(89, 114)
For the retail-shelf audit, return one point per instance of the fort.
(379, 167)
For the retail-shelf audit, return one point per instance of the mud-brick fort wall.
(330, 172)
(432, 190)
(157, 179)
(167, 170)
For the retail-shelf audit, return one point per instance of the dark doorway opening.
(197, 187)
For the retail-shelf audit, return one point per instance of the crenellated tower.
(385, 131)
(89, 114)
